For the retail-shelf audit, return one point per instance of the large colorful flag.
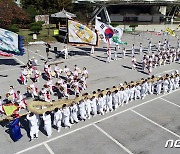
(81, 34)
(109, 33)
(9, 110)
(170, 32)
(11, 42)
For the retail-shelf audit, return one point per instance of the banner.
(170, 32)
(9, 110)
(107, 32)
(80, 34)
(11, 42)
(56, 32)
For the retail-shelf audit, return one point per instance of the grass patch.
(42, 36)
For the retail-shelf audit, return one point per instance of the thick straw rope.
(39, 107)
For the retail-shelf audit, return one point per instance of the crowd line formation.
(165, 54)
(101, 102)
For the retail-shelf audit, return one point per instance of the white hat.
(176, 71)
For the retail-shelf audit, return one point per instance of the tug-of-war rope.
(40, 107)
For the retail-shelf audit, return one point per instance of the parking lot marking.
(156, 123)
(170, 102)
(114, 140)
(108, 117)
(36, 53)
(57, 137)
(18, 60)
(48, 148)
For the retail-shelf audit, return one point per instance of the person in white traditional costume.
(66, 116)
(20, 100)
(73, 113)
(109, 102)
(33, 124)
(82, 111)
(87, 107)
(57, 119)
(47, 123)
(93, 105)
(65, 50)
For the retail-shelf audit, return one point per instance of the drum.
(79, 71)
(53, 74)
(29, 74)
(68, 73)
(86, 75)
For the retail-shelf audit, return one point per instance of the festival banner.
(80, 34)
(109, 34)
(9, 110)
(11, 42)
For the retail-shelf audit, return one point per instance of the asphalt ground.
(141, 127)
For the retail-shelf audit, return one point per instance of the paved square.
(140, 127)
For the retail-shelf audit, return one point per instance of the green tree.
(10, 14)
(36, 27)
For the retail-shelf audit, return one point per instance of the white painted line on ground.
(156, 123)
(115, 141)
(36, 53)
(37, 145)
(48, 148)
(75, 130)
(170, 102)
(18, 60)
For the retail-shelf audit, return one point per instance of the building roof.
(63, 14)
(129, 2)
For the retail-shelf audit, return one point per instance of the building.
(153, 11)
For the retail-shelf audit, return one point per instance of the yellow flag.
(9, 109)
(170, 31)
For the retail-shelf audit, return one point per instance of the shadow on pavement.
(9, 62)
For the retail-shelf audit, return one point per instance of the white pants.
(66, 122)
(109, 106)
(74, 118)
(48, 129)
(83, 115)
(57, 123)
(34, 131)
(94, 110)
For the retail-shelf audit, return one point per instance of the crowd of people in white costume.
(164, 54)
(101, 102)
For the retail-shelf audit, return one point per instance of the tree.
(10, 14)
(36, 27)
(48, 6)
